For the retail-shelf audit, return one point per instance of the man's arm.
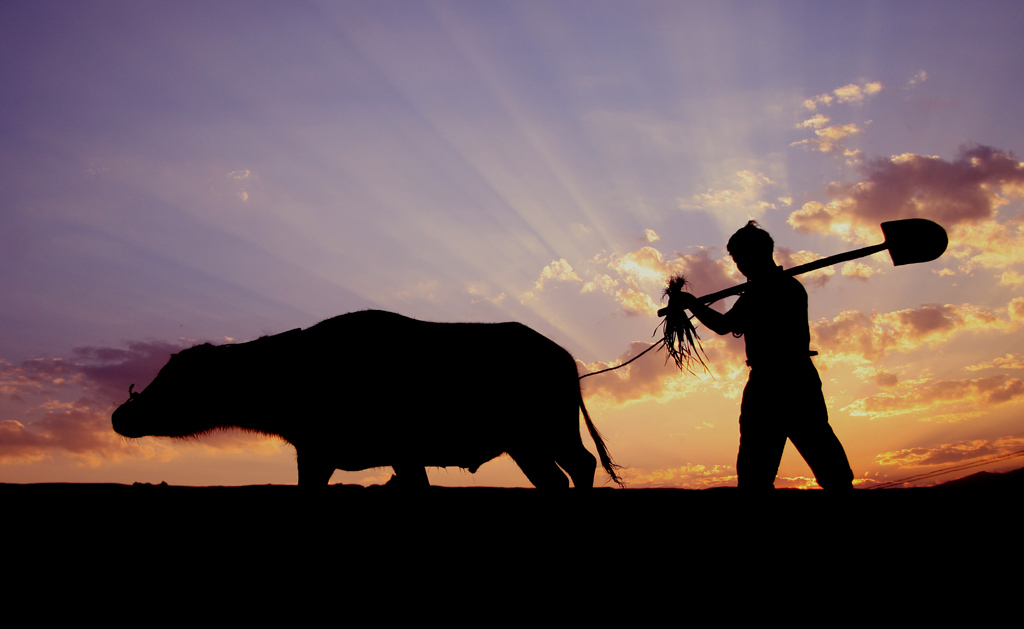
(712, 319)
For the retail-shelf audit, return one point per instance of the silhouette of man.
(783, 396)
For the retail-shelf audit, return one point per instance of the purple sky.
(173, 173)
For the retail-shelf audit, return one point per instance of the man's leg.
(818, 444)
(762, 439)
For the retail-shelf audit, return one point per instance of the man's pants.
(784, 401)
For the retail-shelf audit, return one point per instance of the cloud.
(816, 121)
(107, 369)
(988, 244)
(1009, 361)
(80, 430)
(788, 258)
(858, 270)
(645, 272)
(848, 94)
(920, 77)
(689, 476)
(636, 302)
(63, 406)
(559, 271)
(832, 139)
(645, 265)
(643, 379)
(970, 394)
(479, 294)
(947, 453)
(1011, 278)
(652, 378)
(636, 279)
(602, 282)
(1016, 309)
(853, 93)
(965, 191)
(746, 197)
(880, 376)
(853, 337)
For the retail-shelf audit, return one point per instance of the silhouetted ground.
(681, 547)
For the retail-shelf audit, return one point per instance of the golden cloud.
(854, 337)
(968, 393)
(858, 270)
(988, 244)
(635, 302)
(602, 282)
(645, 271)
(1009, 361)
(947, 453)
(788, 258)
(652, 378)
(848, 94)
(816, 121)
(830, 139)
(745, 197)
(967, 190)
(687, 476)
(559, 271)
(920, 77)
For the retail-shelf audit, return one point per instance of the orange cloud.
(849, 94)
(63, 406)
(967, 393)
(558, 271)
(858, 270)
(645, 272)
(988, 244)
(640, 380)
(652, 378)
(920, 77)
(788, 258)
(966, 190)
(1009, 361)
(947, 453)
(746, 198)
(816, 121)
(685, 477)
(854, 337)
(831, 139)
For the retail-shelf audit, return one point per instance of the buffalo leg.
(409, 476)
(580, 464)
(541, 471)
(313, 471)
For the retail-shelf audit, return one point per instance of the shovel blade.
(914, 240)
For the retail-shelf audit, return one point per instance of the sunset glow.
(190, 172)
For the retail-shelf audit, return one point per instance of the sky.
(189, 172)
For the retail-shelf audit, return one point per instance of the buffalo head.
(176, 403)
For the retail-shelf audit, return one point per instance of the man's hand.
(683, 300)
(678, 302)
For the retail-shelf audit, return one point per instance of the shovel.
(909, 241)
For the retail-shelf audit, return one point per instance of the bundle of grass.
(679, 337)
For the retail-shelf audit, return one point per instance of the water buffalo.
(373, 389)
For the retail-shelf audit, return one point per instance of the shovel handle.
(909, 241)
(796, 270)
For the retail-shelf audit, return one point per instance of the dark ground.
(671, 547)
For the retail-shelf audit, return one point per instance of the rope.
(594, 373)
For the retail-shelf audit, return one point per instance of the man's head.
(752, 249)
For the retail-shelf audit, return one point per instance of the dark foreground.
(457, 524)
(698, 552)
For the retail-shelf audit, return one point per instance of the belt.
(781, 360)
